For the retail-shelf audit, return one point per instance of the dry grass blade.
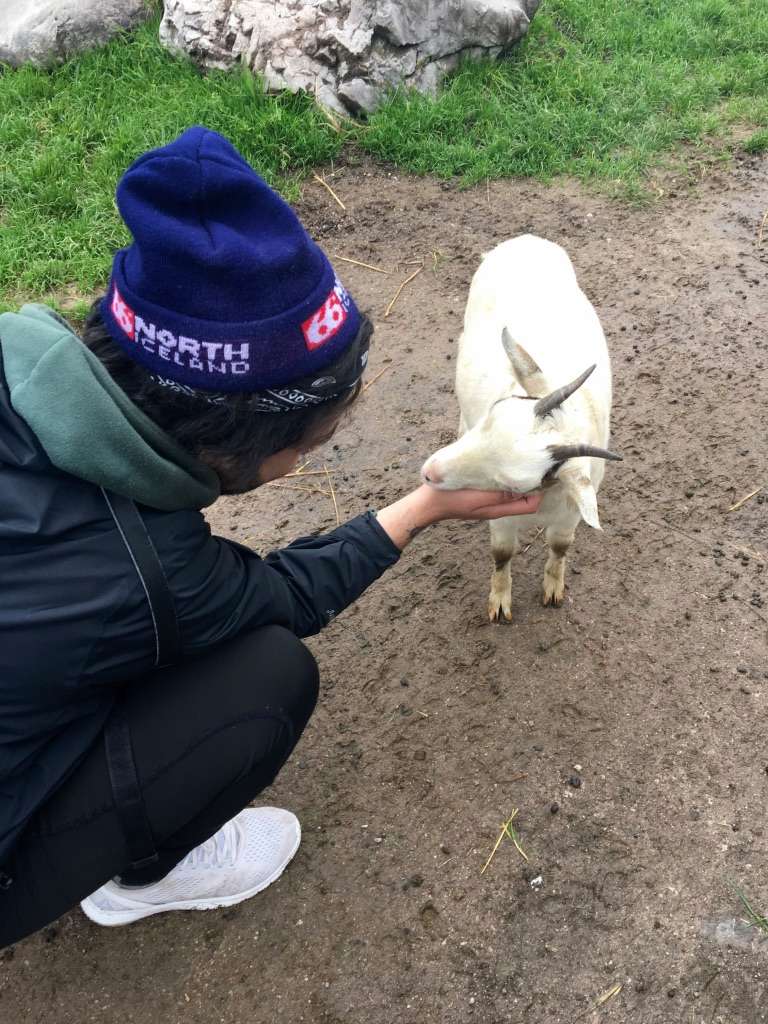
(324, 183)
(762, 228)
(745, 499)
(515, 839)
(359, 263)
(757, 555)
(309, 489)
(533, 541)
(333, 495)
(309, 472)
(331, 118)
(610, 994)
(374, 379)
(504, 832)
(396, 296)
(600, 1001)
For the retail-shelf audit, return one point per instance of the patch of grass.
(66, 136)
(597, 90)
(757, 143)
(757, 920)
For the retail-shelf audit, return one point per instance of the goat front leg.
(559, 541)
(504, 544)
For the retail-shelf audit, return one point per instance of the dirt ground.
(434, 725)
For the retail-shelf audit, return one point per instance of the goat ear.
(581, 491)
(526, 369)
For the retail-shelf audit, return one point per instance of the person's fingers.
(524, 505)
(471, 504)
(486, 499)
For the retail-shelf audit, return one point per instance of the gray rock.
(346, 53)
(358, 96)
(46, 31)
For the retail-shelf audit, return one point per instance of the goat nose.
(430, 473)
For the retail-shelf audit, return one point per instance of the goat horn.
(561, 452)
(557, 397)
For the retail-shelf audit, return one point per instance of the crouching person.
(152, 679)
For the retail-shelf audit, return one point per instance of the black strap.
(150, 572)
(126, 790)
(123, 776)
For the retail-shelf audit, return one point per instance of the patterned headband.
(305, 393)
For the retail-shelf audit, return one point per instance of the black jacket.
(75, 624)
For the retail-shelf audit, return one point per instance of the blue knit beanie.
(222, 289)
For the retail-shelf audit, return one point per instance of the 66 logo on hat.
(123, 313)
(323, 324)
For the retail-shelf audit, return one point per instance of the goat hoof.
(552, 599)
(497, 612)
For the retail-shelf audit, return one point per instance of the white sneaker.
(245, 856)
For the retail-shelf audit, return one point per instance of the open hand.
(469, 504)
(410, 515)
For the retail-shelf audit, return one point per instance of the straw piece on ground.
(600, 1001)
(610, 994)
(762, 228)
(359, 263)
(533, 541)
(309, 489)
(324, 183)
(396, 296)
(333, 495)
(309, 472)
(504, 832)
(757, 555)
(374, 379)
(513, 836)
(745, 499)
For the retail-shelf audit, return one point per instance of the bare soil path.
(653, 677)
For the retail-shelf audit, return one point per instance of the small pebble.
(554, 807)
(574, 781)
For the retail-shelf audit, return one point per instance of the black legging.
(207, 736)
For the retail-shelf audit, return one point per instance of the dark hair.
(221, 429)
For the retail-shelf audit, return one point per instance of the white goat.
(528, 329)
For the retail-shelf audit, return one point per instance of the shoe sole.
(115, 918)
